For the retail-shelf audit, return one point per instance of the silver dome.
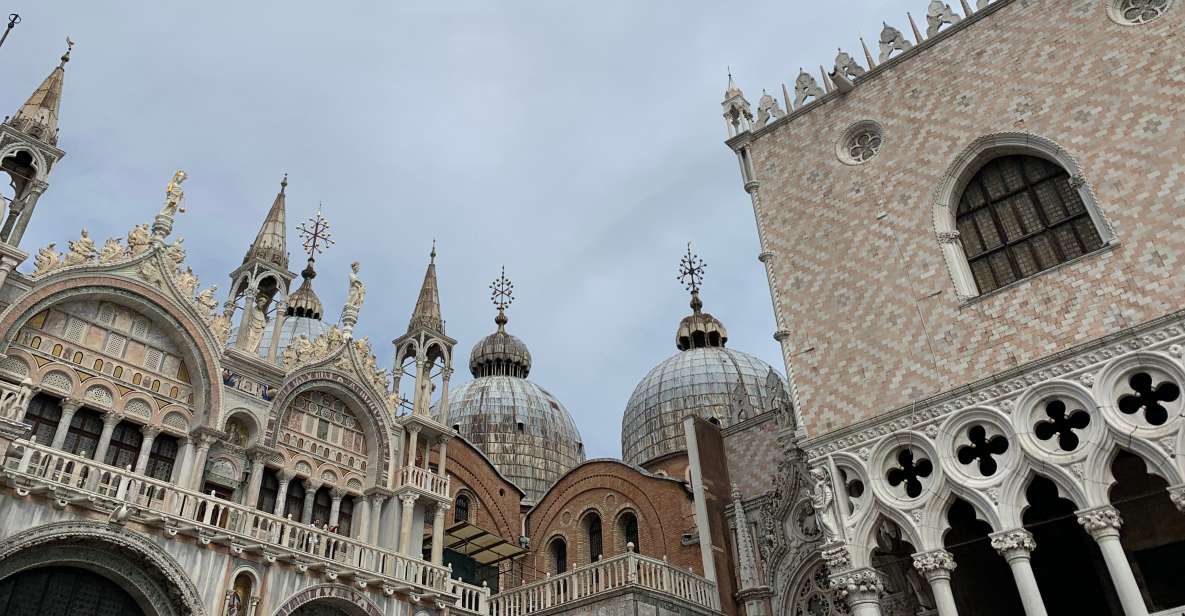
(712, 382)
(523, 429)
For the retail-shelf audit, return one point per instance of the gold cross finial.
(315, 234)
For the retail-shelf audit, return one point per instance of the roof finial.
(69, 48)
(691, 274)
(315, 235)
(432, 255)
(284, 182)
(502, 294)
(13, 20)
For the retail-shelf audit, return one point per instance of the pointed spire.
(427, 311)
(38, 117)
(733, 88)
(271, 242)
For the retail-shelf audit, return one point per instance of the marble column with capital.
(258, 459)
(1103, 524)
(438, 518)
(337, 494)
(310, 492)
(69, 406)
(861, 589)
(285, 478)
(1016, 546)
(408, 500)
(198, 470)
(413, 434)
(936, 566)
(110, 420)
(181, 471)
(442, 463)
(149, 433)
(376, 511)
(361, 530)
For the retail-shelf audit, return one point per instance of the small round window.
(1136, 12)
(860, 143)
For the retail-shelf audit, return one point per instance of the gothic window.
(1136, 12)
(1062, 422)
(814, 596)
(1021, 215)
(983, 450)
(592, 524)
(162, 457)
(125, 445)
(269, 489)
(909, 472)
(83, 435)
(1148, 398)
(44, 414)
(628, 523)
(558, 550)
(461, 508)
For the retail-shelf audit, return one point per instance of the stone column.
(282, 495)
(937, 566)
(861, 589)
(376, 512)
(70, 406)
(361, 518)
(442, 510)
(420, 406)
(181, 471)
(256, 479)
(409, 503)
(443, 456)
(427, 454)
(442, 407)
(413, 434)
(110, 420)
(1016, 546)
(149, 433)
(1103, 525)
(310, 491)
(335, 509)
(199, 462)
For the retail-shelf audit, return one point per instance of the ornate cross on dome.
(315, 235)
(691, 271)
(502, 294)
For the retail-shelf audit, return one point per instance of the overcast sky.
(578, 143)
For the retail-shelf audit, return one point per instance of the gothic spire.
(270, 243)
(38, 117)
(427, 311)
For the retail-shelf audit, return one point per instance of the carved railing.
(212, 519)
(470, 598)
(626, 570)
(424, 480)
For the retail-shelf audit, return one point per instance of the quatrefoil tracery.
(1062, 424)
(983, 449)
(909, 472)
(1149, 398)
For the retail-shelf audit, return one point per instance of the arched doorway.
(64, 591)
(325, 607)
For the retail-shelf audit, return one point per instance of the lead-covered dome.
(521, 427)
(527, 434)
(703, 379)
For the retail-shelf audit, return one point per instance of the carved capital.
(934, 564)
(1016, 543)
(408, 499)
(1101, 521)
(150, 431)
(337, 493)
(112, 418)
(837, 557)
(859, 586)
(70, 405)
(1177, 495)
(948, 237)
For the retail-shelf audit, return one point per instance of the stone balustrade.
(74, 479)
(619, 572)
(425, 481)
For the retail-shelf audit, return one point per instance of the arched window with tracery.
(83, 436)
(1020, 215)
(44, 414)
(162, 457)
(461, 508)
(814, 597)
(124, 448)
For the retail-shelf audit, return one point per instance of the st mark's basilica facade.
(973, 235)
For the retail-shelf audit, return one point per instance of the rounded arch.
(197, 347)
(242, 420)
(964, 167)
(342, 597)
(158, 584)
(371, 413)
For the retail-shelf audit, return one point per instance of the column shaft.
(254, 481)
(145, 449)
(69, 408)
(335, 510)
(1103, 524)
(438, 534)
(310, 491)
(282, 495)
(109, 423)
(409, 504)
(376, 512)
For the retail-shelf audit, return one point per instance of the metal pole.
(13, 20)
